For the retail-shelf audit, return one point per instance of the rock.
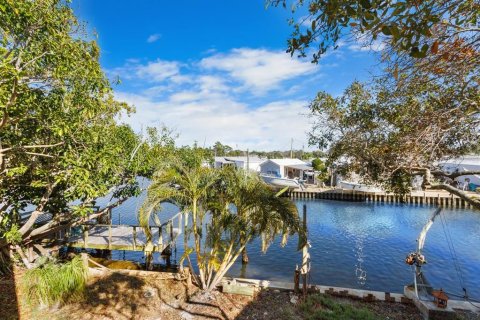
(293, 299)
(149, 292)
(186, 316)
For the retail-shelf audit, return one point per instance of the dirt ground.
(8, 298)
(121, 296)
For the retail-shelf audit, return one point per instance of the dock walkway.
(126, 237)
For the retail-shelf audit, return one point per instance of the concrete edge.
(366, 295)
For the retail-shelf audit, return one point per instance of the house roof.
(244, 159)
(287, 162)
(300, 166)
(466, 160)
(222, 160)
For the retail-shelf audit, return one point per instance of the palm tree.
(226, 210)
(250, 195)
(184, 182)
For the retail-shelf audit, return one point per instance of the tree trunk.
(475, 202)
(221, 272)
(427, 175)
(24, 258)
(244, 256)
(6, 263)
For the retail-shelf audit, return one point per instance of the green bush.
(322, 307)
(53, 282)
(13, 236)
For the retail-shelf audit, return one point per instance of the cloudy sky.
(216, 70)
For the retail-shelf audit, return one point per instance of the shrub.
(53, 282)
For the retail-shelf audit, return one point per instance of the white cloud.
(216, 117)
(223, 98)
(376, 46)
(158, 70)
(258, 70)
(363, 43)
(153, 37)
(306, 21)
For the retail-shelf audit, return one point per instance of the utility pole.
(291, 148)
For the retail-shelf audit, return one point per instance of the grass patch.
(52, 282)
(322, 307)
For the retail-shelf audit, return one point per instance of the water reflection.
(360, 273)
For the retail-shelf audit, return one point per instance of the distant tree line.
(219, 150)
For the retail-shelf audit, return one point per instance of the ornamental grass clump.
(53, 282)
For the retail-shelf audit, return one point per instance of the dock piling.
(342, 195)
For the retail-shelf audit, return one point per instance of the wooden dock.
(419, 198)
(121, 237)
(126, 237)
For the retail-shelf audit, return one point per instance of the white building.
(288, 168)
(250, 163)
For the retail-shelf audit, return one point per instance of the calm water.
(359, 245)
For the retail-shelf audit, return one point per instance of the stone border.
(358, 294)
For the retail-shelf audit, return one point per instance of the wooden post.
(85, 236)
(296, 281)
(149, 260)
(109, 237)
(160, 239)
(134, 238)
(305, 253)
(180, 223)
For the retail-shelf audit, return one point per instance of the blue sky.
(216, 70)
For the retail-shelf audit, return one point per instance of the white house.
(288, 168)
(250, 163)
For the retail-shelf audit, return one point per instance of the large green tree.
(418, 28)
(388, 133)
(423, 108)
(59, 140)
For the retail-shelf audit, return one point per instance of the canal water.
(359, 245)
